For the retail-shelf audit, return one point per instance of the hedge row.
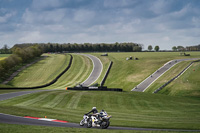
(19, 56)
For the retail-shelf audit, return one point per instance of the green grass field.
(175, 70)
(132, 109)
(41, 72)
(127, 74)
(78, 72)
(186, 85)
(46, 70)
(129, 109)
(9, 128)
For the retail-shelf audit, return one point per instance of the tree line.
(156, 48)
(19, 55)
(5, 50)
(187, 48)
(88, 47)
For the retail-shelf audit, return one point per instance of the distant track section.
(96, 72)
(158, 73)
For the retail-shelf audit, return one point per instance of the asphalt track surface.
(11, 119)
(152, 78)
(96, 72)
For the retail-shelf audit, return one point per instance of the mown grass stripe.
(73, 103)
(37, 99)
(56, 100)
(80, 74)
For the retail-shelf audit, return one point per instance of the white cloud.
(150, 23)
(46, 4)
(196, 21)
(118, 3)
(83, 15)
(6, 17)
(33, 36)
(159, 6)
(35, 17)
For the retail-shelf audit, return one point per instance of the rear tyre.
(105, 124)
(89, 123)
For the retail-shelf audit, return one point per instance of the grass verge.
(9, 128)
(175, 70)
(131, 109)
(187, 84)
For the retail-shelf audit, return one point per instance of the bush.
(20, 55)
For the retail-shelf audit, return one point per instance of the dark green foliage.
(5, 50)
(20, 55)
(150, 47)
(157, 48)
(87, 47)
(174, 48)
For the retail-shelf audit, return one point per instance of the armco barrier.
(94, 89)
(106, 75)
(157, 90)
(45, 85)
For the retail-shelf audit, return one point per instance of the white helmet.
(93, 107)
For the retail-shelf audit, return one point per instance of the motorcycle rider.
(95, 113)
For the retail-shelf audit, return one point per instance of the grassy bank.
(79, 71)
(187, 84)
(175, 70)
(129, 109)
(47, 69)
(127, 74)
(41, 72)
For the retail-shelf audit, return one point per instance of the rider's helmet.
(94, 108)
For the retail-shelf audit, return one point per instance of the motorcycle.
(93, 121)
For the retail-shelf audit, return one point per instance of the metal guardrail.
(106, 75)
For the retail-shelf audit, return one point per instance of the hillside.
(127, 74)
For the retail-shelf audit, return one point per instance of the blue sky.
(165, 23)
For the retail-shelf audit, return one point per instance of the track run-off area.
(94, 75)
(12, 119)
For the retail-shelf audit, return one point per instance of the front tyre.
(105, 124)
(82, 123)
(89, 123)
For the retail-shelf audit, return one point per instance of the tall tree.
(180, 48)
(174, 48)
(150, 47)
(156, 48)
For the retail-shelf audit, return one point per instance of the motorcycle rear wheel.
(105, 124)
(89, 123)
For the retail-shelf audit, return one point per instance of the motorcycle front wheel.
(82, 123)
